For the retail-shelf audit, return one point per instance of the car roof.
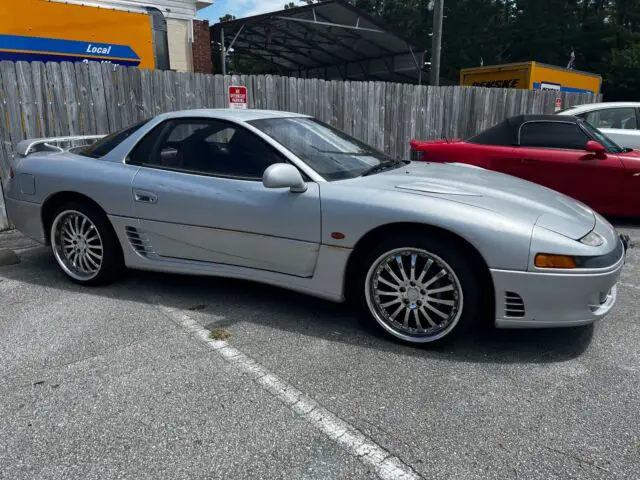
(231, 114)
(587, 107)
(506, 132)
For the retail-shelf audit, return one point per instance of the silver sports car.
(283, 199)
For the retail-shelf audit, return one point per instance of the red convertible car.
(566, 154)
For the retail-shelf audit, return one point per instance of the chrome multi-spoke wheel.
(77, 245)
(414, 294)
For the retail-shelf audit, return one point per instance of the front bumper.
(547, 300)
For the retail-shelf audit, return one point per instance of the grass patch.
(220, 334)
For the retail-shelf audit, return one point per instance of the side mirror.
(283, 175)
(596, 148)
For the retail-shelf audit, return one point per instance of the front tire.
(84, 244)
(420, 290)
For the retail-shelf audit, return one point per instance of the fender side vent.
(139, 241)
(513, 305)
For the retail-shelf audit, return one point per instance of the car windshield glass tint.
(330, 152)
(108, 143)
(598, 136)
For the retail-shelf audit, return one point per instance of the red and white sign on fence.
(238, 97)
(558, 104)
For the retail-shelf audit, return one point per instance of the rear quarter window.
(105, 145)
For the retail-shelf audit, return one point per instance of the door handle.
(145, 197)
(636, 174)
(530, 160)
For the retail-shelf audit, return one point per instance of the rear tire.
(420, 289)
(85, 245)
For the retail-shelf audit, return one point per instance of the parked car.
(566, 154)
(286, 200)
(619, 121)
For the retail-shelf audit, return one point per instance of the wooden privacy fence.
(61, 99)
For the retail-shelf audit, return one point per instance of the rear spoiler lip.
(27, 147)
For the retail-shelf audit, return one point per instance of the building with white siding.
(179, 14)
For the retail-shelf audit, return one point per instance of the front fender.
(503, 243)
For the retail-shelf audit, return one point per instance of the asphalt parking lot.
(120, 382)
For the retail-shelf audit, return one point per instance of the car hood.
(503, 194)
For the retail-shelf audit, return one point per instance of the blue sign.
(540, 86)
(39, 49)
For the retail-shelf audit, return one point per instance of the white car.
(620, 120)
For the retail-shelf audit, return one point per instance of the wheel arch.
(53, 202)
(371, 238)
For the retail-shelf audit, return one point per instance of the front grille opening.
(513, 305)
(603, 297)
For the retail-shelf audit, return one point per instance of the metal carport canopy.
(331, 40)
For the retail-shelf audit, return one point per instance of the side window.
(553, 135)
(621, 118)
(209, 147)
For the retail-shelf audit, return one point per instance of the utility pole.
(223, 53)
(436, 41)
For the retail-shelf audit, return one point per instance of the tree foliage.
(604, 34)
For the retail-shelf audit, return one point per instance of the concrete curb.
(8, 257)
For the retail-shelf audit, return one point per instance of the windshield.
(598, 136)
(330, 152)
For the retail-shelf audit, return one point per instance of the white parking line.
(386, 465)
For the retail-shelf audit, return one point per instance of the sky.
(240, 8)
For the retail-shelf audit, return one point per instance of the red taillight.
(11, 174)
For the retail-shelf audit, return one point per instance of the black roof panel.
(330, 39)
(506, 132)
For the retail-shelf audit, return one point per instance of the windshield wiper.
(382, 167)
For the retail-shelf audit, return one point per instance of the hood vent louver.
(436, 188)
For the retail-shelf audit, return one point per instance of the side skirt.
(326, 282)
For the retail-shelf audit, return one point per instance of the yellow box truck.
(41, 30)
(531, 76)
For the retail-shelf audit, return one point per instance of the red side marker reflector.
(337, 235)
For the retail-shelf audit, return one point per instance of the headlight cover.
(592, 239)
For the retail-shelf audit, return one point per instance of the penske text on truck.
(41, 30)
(531, 76)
